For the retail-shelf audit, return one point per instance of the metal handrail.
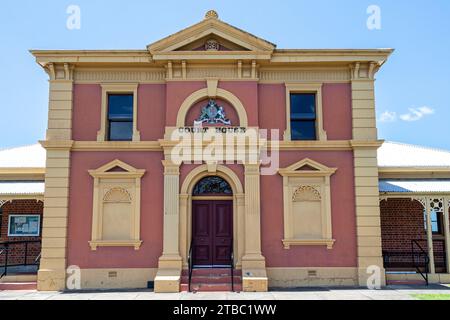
(18, 242)
(38, 259)
(190, 266)
(416, 264)
(6, 249)
(232, 267)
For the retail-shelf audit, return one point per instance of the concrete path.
(390, 293)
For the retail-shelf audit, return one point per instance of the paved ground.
(390, 293)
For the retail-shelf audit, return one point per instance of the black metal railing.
(19, 254)
(420, 259)
(190, 266)
(415, 260)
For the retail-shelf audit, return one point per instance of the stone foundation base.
(312, 277)
(108, 278)
(51, 280)
(168, 281)
(255, 280)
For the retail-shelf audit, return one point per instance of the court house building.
(211, 159)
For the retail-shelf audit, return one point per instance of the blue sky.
(412, 88)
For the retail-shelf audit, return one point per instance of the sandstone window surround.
(307, 204)
(118, 88)
(116, 206)
(312, 87)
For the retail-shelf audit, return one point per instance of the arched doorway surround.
(186, 198)
(178, 206)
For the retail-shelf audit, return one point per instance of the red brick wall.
(17, 251)
(402, 220)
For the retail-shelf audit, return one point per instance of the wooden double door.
(212, 232)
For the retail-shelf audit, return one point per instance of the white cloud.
(415, 114)
(388, 116)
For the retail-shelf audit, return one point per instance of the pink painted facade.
(313, 220)
(343, 215)
(158, 106)
(80, 217)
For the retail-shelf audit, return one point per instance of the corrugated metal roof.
(394, 154)
(414, 186)
(390, 154)
(23, 157)
(21, 187)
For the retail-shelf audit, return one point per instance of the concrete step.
(19, 278)
(211, 279)
(405, 282)
(211, 287)
(18, 286)
(207, 272)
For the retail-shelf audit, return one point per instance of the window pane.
(435, 226)
(120, 106)
(303, 103)
(212, 185)
(303, 130)
(120, 130)
(434, 216)
(24, 225)
(436, 221)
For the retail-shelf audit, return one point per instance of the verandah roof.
(415, 186)
(22, 187)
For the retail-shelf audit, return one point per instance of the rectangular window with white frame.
(119, 113)
(24, 225)
(304, 115)
(120, 117)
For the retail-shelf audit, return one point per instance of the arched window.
(212, 186)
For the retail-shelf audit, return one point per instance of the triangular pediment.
(194, 38)
(307, 167)
(207, 43)
(116, 168)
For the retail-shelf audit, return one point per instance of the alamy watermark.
(73, 21)
(374, 19)
(73, 281)
(374, 280)
(199, 144)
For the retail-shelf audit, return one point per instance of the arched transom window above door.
(212, 185)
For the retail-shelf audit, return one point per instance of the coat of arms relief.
(212, 113)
